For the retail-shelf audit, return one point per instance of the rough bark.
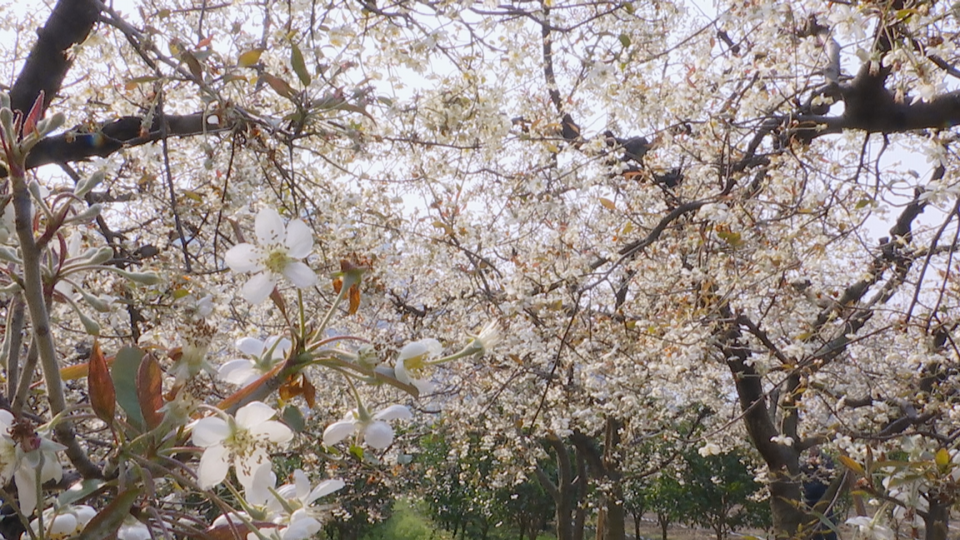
(563, 492)
(49, 60)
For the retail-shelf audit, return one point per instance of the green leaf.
(124, 371)
(292, 416)
(624, 40)
(79, 491)
(356, 451)
(299, 67)
(108, 521)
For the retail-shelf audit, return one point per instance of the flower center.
(277, 260)
(416, 365)
(241, 441)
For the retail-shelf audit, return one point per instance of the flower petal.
(259, 287)
(246, 465)
(322, 490)
(244, 258)
(213, 466)
(258, 492)
(63, 526)
(378, 435)
(301, 483)
(6, 420)
(302, 529)
(251, 346)
(429, 347)
(423, 386)
(279, 345)
(26, 480)
(393, 412)
(338, 431)
(240, 372)
(299, 241)
(300, 274)
(269, 226)
(209, 431)
(273, 431)
(254, 414)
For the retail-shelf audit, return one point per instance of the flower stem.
(36, 303)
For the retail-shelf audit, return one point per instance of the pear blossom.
(27, 457)
(240, 441)
(300, 495)
(266, 354)
(709, 449)
(869, 528)
(412, 363)
(277, 254)
(488, 337)
(374, 429)
(132, 529)
(62, 522)
(415, 358)
(287, 507)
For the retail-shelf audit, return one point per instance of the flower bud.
(144, 278)
(86, 185)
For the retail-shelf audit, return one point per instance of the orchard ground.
(409, 523)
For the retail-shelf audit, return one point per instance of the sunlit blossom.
(869, 528)
(488, 337)
(412, 363)
(30, 456)
(709, 449)
(133, 530)
(265, 355)
(300, 494)
(374, 429)
(242, 441)
(62, 522)
(277, 254)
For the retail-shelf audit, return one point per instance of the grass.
(409, 523)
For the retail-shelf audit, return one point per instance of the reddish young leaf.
(354, 296)
(103, 395)
(150, 390)
(279, 85)
(34, 116)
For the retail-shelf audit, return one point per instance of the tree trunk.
(636, 524)
(581, 483)
(615, 524)
(937, 520)
(664, 522)
(564, 492)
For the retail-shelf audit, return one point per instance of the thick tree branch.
(81, 143)
(49, 60)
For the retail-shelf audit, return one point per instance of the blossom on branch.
(63, 522)
(374, 429)
(266, 355)
(240, 441)
(412, 363)
(277, 254)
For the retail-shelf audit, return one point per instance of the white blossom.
(241, 441)
(266, 354)
(374, 430)
(277, 254)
